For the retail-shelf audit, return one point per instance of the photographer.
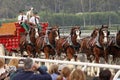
(29, 72)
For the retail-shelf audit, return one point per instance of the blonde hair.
(53, 69)
(59, 77)
(66, 72)
(1, 63)
(13, 62)
(77, 74)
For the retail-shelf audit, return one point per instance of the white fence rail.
(68, 62)
(85, 64)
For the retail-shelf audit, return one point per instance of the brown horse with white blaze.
(88, 43)
(69, 45)
(100, 48)
(47, 42)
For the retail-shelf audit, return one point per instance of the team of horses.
(98, 44)
(101, 44)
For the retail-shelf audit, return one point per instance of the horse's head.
(75, 33)
(118, 38)
(103, 35)
(54, 32)
(95, 32)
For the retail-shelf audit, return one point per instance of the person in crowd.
(53, 71)
(60, 67)
(60, 77)
(35, 20)
(12, 67)
(2, 70)
(43, 66)
(22, 19)
(66, 72)
(29, 72)
(77, 74)
(13, 62)
(21, 64)
(105, 75)
(19, 69)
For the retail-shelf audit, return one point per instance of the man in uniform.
(35, 20)
(22, 19)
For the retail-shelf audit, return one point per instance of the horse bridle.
(105, 33)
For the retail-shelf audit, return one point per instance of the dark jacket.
(30, 75)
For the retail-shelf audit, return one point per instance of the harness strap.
(22, 18)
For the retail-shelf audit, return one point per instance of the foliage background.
(65, 12)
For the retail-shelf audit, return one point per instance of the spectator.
(43, 66)
(60, 77)
(105, 74)
(66, 72)
(60, 67)
(2, 70)
(13, 62)
(29, 72)
(21, 64)
(53, 70)
(13, 67)
(77, 74)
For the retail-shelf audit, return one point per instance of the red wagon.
(10, 34)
